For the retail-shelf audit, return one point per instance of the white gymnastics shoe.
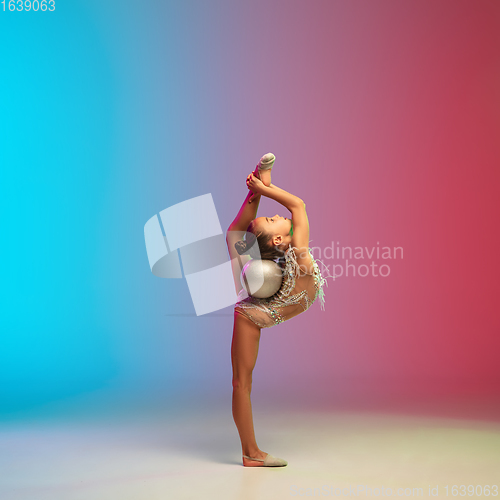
(269, 461)
(267, 162)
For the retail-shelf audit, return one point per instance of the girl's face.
(277, 226)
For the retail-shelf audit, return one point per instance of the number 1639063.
(27, 5)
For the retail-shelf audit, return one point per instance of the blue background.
(112, 111)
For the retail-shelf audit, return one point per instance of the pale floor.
(194, 454)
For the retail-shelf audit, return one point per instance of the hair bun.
(241, 247)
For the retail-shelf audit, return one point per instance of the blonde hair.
(264, 241)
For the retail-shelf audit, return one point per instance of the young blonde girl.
(286, 241)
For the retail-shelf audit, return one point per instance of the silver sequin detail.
(271, 306)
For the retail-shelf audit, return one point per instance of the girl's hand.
(255, 185)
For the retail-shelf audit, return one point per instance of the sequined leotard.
(297, 293)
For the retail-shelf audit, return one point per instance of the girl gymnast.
(286, 241)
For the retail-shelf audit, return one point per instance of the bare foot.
(264, 176)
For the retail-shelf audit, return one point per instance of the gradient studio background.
(384, 116)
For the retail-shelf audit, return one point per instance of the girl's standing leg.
(244, 350)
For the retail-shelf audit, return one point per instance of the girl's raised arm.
(300, 221)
